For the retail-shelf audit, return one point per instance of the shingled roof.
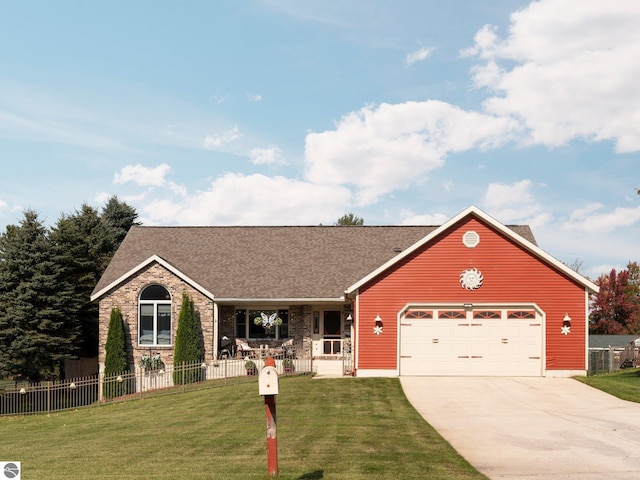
(288, 262)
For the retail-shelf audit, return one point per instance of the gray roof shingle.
(269, 262)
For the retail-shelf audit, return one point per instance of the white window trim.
(155, 304)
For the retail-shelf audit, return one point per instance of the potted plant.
(288, 365)
(250, 367)
(151, 362)
(268, 322)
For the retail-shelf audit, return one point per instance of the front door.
(332, 332)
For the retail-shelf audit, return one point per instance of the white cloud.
(236, 199)
(142, 176)
(148, 177)
(566, 70)
(417, 56)
(411, 218)
(590, 219)
(514, 204)
(379, 149)
(220, 140)
(272, 155)
(254, 97)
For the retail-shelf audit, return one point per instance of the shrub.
(115, 361)
(189, 347)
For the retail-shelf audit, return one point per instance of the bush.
(189, 348)
(115, 361)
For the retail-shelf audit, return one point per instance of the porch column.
(215, 331)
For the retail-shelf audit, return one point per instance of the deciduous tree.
(613, 308)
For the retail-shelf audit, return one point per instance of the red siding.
(511, 274)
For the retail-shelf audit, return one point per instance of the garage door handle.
(435, 340)
(505, 340)
(463, 356)
(476, 356)
(406, 356)
(534, 358)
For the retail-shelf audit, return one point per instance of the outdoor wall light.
(349, 318)
(566, 325)
(378, 325)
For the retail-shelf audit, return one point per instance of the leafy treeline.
(46, 279)
(615, 310)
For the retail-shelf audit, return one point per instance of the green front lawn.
(327, 429)
(623, 384)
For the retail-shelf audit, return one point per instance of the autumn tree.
(614, 309)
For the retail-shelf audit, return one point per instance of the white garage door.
(479, 342)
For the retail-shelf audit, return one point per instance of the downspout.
(215, 331)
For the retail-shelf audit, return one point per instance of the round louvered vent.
(471, 239)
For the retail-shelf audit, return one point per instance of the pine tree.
(38, 328)
(81, 240)
(117, 218)
(115, 361)
(189, 346)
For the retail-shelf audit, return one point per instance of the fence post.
(183, 370)
(48, 396)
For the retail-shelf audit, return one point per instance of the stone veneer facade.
(125, 296)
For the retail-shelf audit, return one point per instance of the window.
(419, 314)
(247, 328)
(154, 324)
(452, 314)
(522, 314)
(486, 314)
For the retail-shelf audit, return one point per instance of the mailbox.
(268, 381)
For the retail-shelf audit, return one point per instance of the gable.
(485, 222)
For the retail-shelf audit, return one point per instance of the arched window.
(154, 316)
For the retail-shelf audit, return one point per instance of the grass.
(327, 429)
(624, 384)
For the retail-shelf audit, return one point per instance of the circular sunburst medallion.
(471, 279)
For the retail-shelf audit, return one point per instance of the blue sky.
(295, 112)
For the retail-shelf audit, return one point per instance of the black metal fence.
(46, 397)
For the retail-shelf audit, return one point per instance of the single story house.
(469, 297)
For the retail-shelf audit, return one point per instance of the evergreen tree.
(38, 328)
(81, 241)
(116, 361)
(118, 218)
(189, 346)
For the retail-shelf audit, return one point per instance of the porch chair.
(243, 349)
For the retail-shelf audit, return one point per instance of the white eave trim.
(148, 261)
(533, 249)
(282, 301)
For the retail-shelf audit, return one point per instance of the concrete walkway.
(532, 428)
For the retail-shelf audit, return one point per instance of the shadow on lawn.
(317, 475)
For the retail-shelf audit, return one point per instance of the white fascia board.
(148, 261)
(534, 249)
(283, 301)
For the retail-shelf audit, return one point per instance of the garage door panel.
(491, 347)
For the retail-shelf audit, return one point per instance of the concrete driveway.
(532, 428)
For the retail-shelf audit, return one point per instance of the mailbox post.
(268, 387)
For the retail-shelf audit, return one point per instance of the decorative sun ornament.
(565, 330)
(377, 329)
(471, 279)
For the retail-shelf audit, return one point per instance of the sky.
(296, 112)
